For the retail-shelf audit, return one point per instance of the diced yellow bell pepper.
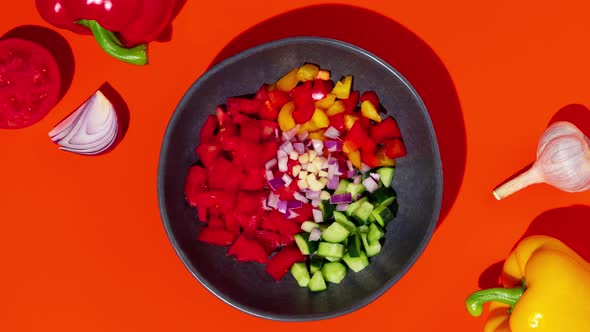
(285, 117)
(320, 119)
(323, 75)
(309, 127)
(343, 87)
(349, 146)
(355, 158)
(289, 81)
(368, 110)
(271, 87)
(383, 158)
(327, 102)
(349, 121)
(337, 107)
(307, 72)
(318, 135)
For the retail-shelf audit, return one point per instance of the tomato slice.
(30, 83)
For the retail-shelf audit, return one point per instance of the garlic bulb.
(563, 161)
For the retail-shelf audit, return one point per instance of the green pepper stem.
(111, 45)
(476, 300)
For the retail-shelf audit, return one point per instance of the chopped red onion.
(341, 198)
(332, 171)
(342, 207)
(340, 171)
(351, 174)
(350, 166)
(318, 216)
(365, 168)
(357, 179)
(333, 183)
(291, 214)
(325, 164)
(370, 184)
(332, 161)
(283, 159)
(287, 179)
(316, 202)
(271, 163)
(303, 136)
(276, 183)
(315, 234)
(304, 167)
(282, 206)
(376, 176)
(277, 133)
(332, 132)
(333, 146)
(313, 194)
(287, 135)
(287, 147)
(269, 175)
(298, 196)
(294, 204)
(272, 200)
(299, 147)
(318, 146)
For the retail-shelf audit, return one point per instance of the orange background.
(82, 247)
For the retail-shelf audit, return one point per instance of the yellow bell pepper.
(336, 107)
(307, 72)
(343, 87)
(383, 158)
(546, 288)
(320, 119)
(323, 75)
(349, 121)
(327, 102)
(368, 110)
(318, 135)
(289, 81)
(285, 117)
(355, 158)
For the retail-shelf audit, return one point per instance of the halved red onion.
(318, 216)
(90, 130)
(341, 198)
(315, 234)
(370, 184)
(342, 207)
(332, 132)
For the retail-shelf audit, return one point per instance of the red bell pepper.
(385, 130)
(278, 98)
(250, 202)
(282, 261)
(249, 223)
(302, 94)
(395, 148)
(304, 113)
(223, 175)
(246, 250)
(276, 222)
(262, 94)
(196, 181)
(337, 121)
(268, 112)
(237, 105)
(359, 137)
(208, 130)
(372, 97)
(121, 27)
(214, 236)
(271, 241)
(208, 153)
(369, 158)
(320, 89)
(250, 130)
(351, 103)
(231, 223)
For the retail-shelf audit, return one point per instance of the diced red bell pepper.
(270, 241)
(365, 123)
(223, 175)
(215, 222)
(208, 153)
(305, 213)
(250, 202)
(372, 97)
(304, 113)
(250, 130)
(222, 116)
(286, 192)
(268, 128)
(268, 151)
(207, 132)
(350, 146)
(240, 119)
(246, 250)
(217, 199)
(196, 181)
(202, 213)
(385, 130)
(320, 89)
(243, 105)
(249, 223)
(248, 154)
(253, 179)
(369, 158)
(282, 261)
(395, 148)
(268, 112)
(359, 135)
(278, 98)
(351, 103)
(302, 94)
(262, 94)
(337, 121)
(369, 145)
(231, 223)
(218, 237)
(277, 222)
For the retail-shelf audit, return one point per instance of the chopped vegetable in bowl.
(298, 177)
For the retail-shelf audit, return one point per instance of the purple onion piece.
(316, 202)
(287, 179)
(282, 206)
(333, 183)
(342, 207)
(318, 216)
(313, 194)
(370, 184)
(270, 164)
(341, 198)
(351, 174)
(276, 183)
(298, 196)
(299, 147)
(376, 176)
(287, 147)
(291, 214)
(294, 204)
(365, 168)
(332, 132)
(272, 200)
(315, 234)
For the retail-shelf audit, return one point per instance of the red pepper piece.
(196, 181)
(252, 179)
(304, 113)
(385, 130)
(358, 136)
(268, 151)
(208, 130)
(278, 98)
(214, 236)
(249, 223)
(369, 158)
(250, 202)
(286, 192)
(271, 241)
(305, 213)
(250, 130)
(277, 222)
(365, 123)
(302, 94)
(223, 175)
(215, 222)
(217, 200)
(268, 112)
(372, 97)
(261, 94)
(246, 250)
(320, 89)
(237, 105)
(351, 103)
(395, 148)
(208, 153)
(282, 261)
(231, 224)
(337, 121)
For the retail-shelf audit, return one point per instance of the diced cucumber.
(305, 246)
(362, 213)
(327, 249)
(363, 229)
(334, 272)
(333, 259)
(383, 196)
(371, 249)
(382, 215)
(386, 175)
(315, 264)
(342, 185)
(356, 189)
(327, 209)
(335, 233)
(388, 202)
(342, 220)
(354, 205)
(317, 283)
(307, 226)
(356, 263)
(354, 245)
(375, 233)
(300, 273)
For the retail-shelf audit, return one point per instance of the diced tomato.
(248, 154)
(305, 213)
(231, 223)
(369, 158)
(249, 223)
(223, 175)
(253, 179)
(218, 237)
(282, 261)
(250, 130)
(196, 181)
(271, 241)
(304, 113)
(268, 151)
(395, 148)
(222, 116)
(372, 97)
(243, 105)
(240, 119)
(246, 250)
(302, 94)
(385, 130)
(202, 213)
(268, 128)
(337, 121)
(250, 202)
(208, 130)
(268, 112)
(215, 222)
(277, 222)
(208, 153)
(261, 94)
(320, 89)
(351, 103)
(217, 199)
(278, 98)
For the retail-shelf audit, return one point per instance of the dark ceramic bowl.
(418, 181)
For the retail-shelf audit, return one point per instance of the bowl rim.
(290, 317)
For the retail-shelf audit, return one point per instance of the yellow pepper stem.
(476, 300)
